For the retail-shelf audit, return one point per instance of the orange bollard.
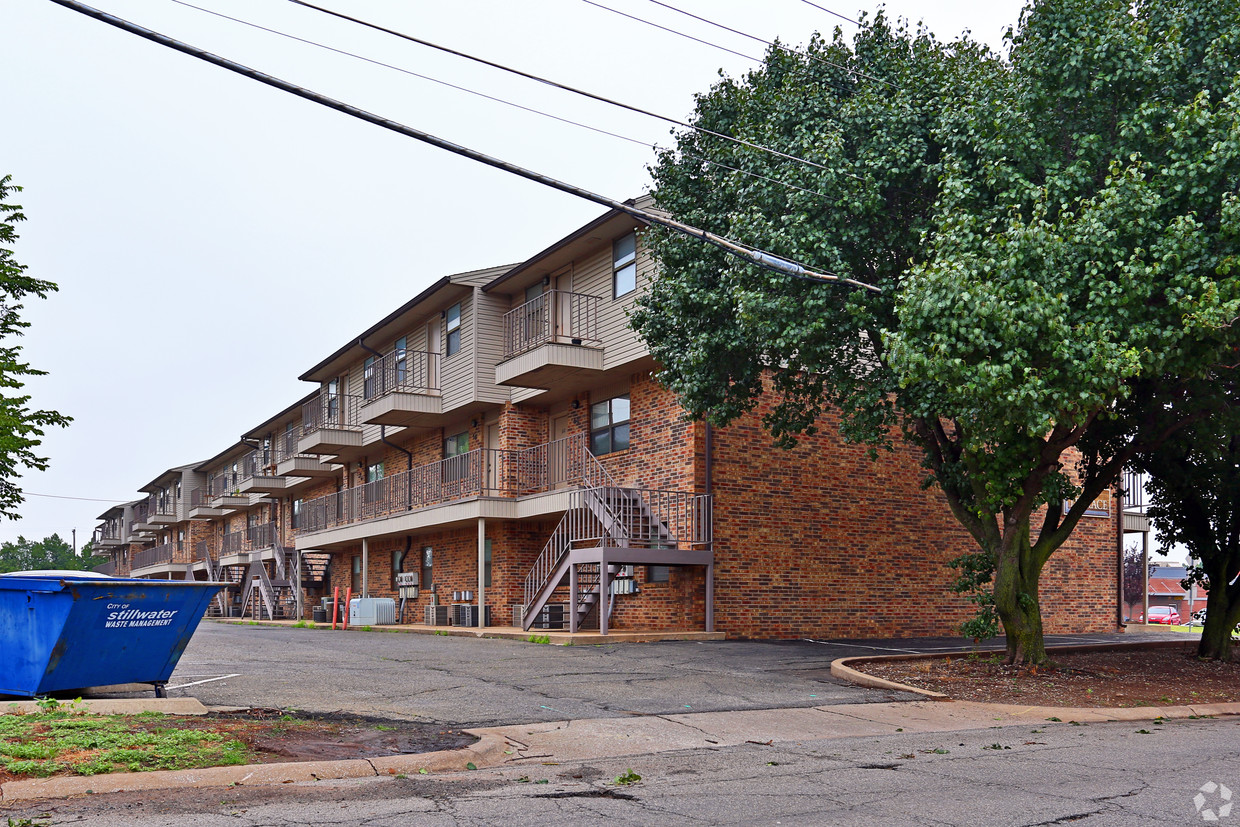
(335, 605)
(348, 593)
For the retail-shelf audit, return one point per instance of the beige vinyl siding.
(593, 276)
(490, 345)
(457, 371)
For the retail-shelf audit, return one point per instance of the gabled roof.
(444, 290)
(260, 430)
(610, 225)
(170, 474)
(237, 449)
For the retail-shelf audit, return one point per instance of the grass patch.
(59, 741)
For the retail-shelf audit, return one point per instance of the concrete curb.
(488, 751)
(113, 706)
(840, 668)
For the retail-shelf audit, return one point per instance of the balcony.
(258, 475)
(109, 535)
(402, 388)
(141, 524)
(200, 506)
(162, 559)
(238, 546)
(162, 510)
(224, 492)
(550, 340)
(480, 473)
(330, 426)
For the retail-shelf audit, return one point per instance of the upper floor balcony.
(299, 470)
(161, 559)
(162, 509)
(402, 388)
(237, 546)
(141, 524)
(550, 339)
(330, 426)
(257, 474)
(562, 464)
(224, 491)
(109, 535)
(201, 505)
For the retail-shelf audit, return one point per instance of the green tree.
(1194, 494)
(49, 553)
(21, 429)
(1052, 231)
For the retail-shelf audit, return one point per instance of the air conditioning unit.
(436, 615)
(372, 611)
(466, 614)
(552, 616)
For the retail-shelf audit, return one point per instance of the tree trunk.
(1220, 620)
(1016, 597)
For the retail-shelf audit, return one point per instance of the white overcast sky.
(213, 238)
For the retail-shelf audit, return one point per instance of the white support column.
(604, 589)
(572, 599)
(1145, 578)
(365, 569)
(482, 572)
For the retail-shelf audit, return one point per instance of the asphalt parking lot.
(484, 682)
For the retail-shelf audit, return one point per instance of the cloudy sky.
(213, 238)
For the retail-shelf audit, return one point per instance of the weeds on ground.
(57, 741)
(539, 639)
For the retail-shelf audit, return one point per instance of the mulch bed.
(1133, 677)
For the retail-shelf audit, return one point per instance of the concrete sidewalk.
(585, 740)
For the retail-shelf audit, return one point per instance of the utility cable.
(63, 497)
(552, 83)
(828, 11)
(672, 31)
(749, 254)
(494, 99)
(771, 44)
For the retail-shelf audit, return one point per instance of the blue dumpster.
(70, 630)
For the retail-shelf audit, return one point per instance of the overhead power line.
(505, 102)
(828, 11)
(772, 44)
(63, 497)
(750, 254)
(555, 84)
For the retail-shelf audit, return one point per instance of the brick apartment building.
(501, 437)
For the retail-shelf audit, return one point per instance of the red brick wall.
(822, 541)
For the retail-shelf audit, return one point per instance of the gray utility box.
(372, 611)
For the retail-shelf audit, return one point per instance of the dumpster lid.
(60, 574)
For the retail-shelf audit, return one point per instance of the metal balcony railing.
(554, 316)
(478, 473)
(330, 410)
(156, 556)
(1134, 491)
(286, 445)
(252, 538)
(162, 505)
(223, 484)
(404, 371)
(140, 512)
(111, 530)
(108, 568)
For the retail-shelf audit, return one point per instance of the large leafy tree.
(49, 553)
(1052, 232)
(21, 428)
(1194, 492)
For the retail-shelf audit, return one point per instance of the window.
(400, 361)
(533, 291)
(609, 425)
(400, 559)
(355, 576)
(331, 393)
(454, 329)
(456, 445)
(373, 491)
(374, 472)
(486, 568)
(658, 574)
(426, 568)
(624, 265)
(295, 517)
(370, 388)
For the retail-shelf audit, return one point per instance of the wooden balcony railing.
(554, 316)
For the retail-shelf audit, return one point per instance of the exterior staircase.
(606, 528)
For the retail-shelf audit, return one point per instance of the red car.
(1164, 614)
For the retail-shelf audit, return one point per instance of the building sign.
(1100, 507)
